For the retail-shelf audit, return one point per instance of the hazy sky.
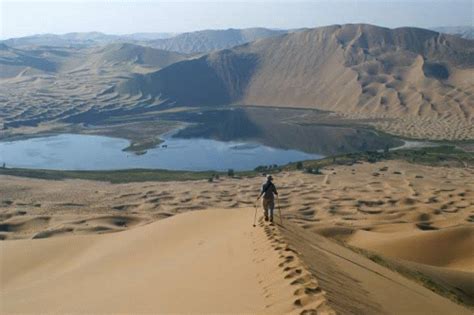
(20, 18)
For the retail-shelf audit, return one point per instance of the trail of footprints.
(308, 296)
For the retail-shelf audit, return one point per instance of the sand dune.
(451, 247)
(357, 285)
(408, 81)
(455, 282)
(210, 40)
(445, 256)
(417, 216)
(210, 261)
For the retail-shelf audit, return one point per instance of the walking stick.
(255, 216)
(279, 210)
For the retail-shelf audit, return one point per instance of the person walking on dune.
(268, 192)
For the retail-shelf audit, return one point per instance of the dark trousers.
(268, 206)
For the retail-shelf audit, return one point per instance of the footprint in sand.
(293, 273)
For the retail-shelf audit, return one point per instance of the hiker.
(268, 191)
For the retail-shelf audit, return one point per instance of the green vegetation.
(267, 168)
(314, 171)
(115, 176)
(140, 147)
(434, 156)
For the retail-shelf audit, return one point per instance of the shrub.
(260, 168)
(371, 159)
(314, 171)
(230, 172)
(299, 165)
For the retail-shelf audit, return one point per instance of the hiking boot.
(266, 218)
(271, 220)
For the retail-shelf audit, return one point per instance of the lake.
(215, 139)
(86, 152)
(281, 128)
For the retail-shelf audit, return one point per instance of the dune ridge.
(357, 285)
(454, 246)
(214, 260)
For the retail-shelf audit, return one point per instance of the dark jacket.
(268, 190)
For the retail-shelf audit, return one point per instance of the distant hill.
(15, 61)
(211, 40)
(415, 75)
(65, 40)
(146, 36)
(461, 31)
(192, 42)
(136, 54)
(52, 60)
(84, 39)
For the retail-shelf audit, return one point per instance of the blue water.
(86, 152)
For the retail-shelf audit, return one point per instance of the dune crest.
(197, 262)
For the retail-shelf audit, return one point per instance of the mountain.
(52, 60)
(120, 53)
(15, 61)
(47, 83)
(65, 40)
(211, 40)
(193, 42)
(466, 32)
(146, 36)
(419, 81)
(81, 39)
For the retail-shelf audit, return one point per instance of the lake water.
(86, 152)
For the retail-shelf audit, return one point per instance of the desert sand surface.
(382, 198)
(419, 217)
(211, 261)
(357, 285)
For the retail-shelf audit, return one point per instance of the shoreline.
(161, 126)
(433, 156)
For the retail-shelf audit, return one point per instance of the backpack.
(267, 188)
